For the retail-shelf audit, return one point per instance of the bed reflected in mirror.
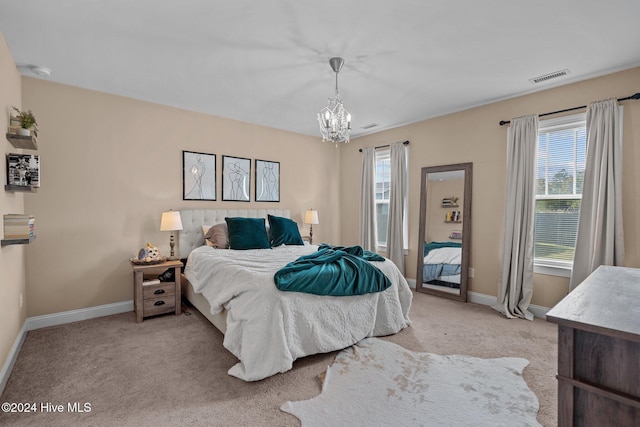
(445, 230)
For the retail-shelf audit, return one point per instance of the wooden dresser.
(599, 350)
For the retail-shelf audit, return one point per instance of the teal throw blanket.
(335, 271)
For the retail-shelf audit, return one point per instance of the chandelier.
(334, 119)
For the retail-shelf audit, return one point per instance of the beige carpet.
(172, 370)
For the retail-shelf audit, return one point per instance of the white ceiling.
(266, 62)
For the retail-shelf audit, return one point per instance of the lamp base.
(172, 244)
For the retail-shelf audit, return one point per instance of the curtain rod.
(384, 146)
(634, 96)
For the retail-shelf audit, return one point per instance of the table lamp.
(311, 217)
(171, 221)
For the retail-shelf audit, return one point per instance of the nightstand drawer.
(159, 305)
(158, 290)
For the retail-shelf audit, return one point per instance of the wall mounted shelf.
(26, 188)
(26, 142)
(6, 242)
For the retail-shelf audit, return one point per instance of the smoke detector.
(40, 70)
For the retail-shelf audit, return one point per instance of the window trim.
(546, 266)
(550, 268)
(383, 154)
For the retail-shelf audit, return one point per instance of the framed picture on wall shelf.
(198, 176)
(236, 178)
(267, 181)
(23, 170)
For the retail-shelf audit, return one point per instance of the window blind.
(560, 165)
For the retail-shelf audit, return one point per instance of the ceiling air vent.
(369, 126)
(550, 76)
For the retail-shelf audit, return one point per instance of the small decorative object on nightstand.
(150, 295)
(171, 221)
(311, 217)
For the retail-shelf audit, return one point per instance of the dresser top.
(606, 302)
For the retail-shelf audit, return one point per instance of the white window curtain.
(600, 238)
(368, 238)
(396, 229)
(516, 278)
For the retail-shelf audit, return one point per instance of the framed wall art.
(23, 170)
(267, 181)
(198, 176)
(236, 178)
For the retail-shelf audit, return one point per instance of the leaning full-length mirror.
(445, 230)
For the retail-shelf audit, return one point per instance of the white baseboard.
(478, 298)
(37, 322)
(537, 310)
(11, 358)
(61, 318)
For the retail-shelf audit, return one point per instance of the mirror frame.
(466, 228)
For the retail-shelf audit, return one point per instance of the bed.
(442, 264)
(268, 329)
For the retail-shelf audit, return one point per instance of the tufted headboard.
(191, 237)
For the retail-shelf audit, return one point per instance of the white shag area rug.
(379, 383)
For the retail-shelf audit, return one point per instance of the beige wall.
(111, 165)
(475, 136)
(12, 258)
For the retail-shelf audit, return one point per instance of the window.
(560, 164)
(383, 181)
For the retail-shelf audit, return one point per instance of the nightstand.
(151, 297)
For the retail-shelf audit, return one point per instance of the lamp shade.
(171, 221)
(311, 217)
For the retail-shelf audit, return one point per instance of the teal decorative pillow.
(283, 231)
(247, 233)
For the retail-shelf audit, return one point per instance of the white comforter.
(444, 256)
(268, 329)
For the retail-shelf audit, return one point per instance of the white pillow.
(205, 230)
(216, 236)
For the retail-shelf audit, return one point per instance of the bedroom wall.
(475, 136)
(12, 258)
(111, 165)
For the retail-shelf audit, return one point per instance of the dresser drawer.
(158, 290)
(159, 305)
